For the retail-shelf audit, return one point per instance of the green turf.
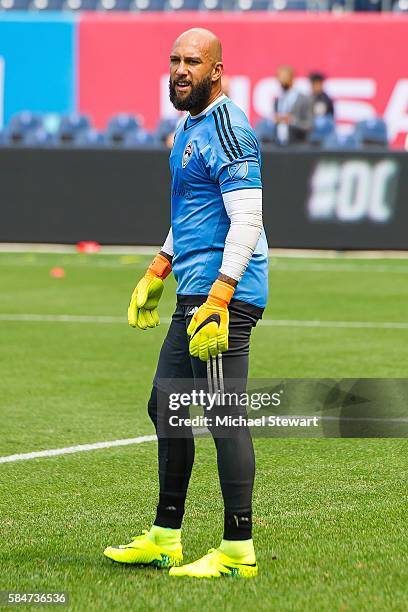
(330, 515)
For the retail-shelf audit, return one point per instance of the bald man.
(217, 250)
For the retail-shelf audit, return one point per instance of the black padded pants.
(235, 453)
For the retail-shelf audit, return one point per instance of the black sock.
(170, 512)
(238, 525)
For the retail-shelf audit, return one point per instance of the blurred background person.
(293, 110)
(322, 103)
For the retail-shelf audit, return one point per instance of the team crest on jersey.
(238, 170)
(188, 151)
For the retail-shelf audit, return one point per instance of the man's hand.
(208, 329)
(142, 311)
(283, 118)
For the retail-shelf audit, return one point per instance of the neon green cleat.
(144, 551)
(216, 564)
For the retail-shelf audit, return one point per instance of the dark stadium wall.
(63, 196)
(337, 201)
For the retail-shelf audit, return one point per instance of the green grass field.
(330, 514)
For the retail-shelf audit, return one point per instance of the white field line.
(340, 267)
(100, 319)
(23, 247)
(336, 324)
(64, 318)
(79, 448)
(274, 265)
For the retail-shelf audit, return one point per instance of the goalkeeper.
(217, 251)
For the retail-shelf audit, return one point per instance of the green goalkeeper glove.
(142, 311)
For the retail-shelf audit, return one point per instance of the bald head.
(195, 70)
(286, 75)
(204, 40)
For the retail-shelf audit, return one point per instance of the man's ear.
(217, 71)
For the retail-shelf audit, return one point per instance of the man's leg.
(235, 451)
(161, 545)
(235, 455)
(175, 455)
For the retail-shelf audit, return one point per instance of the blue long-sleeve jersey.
(214, 153)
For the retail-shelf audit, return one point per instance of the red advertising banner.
(124, 61)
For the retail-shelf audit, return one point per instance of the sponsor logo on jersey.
(188, 152)
(182, 190)
(238, 171)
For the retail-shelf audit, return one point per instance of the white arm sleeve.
(168, 244)
(244, 208)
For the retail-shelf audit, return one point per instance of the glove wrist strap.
(160, 267)
(221, 293)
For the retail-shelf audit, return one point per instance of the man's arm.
(167, 249)
(244, 208)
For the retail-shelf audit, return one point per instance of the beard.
(198, 97)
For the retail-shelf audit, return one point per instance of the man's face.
(285, 78)
(191, 68)
(317, 87)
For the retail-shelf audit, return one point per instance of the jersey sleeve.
(232, 157)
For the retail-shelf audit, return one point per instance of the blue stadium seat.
(265, 131)
(217, 5)
(26, 129)
(322, 128)
(38, 138)
(141, 139)
(14, 5)
(318, 5)
(91, 138)
(147, 5)
(252, 5)
(181, 5)
(113, 5)
(21, 125)
(80, 5)
(46, 5)
(4, 138)
(71, 127)
(164, 128)
(336, 140)
(122, 126)
(288, 5)
(51, 122)
(372, 132)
